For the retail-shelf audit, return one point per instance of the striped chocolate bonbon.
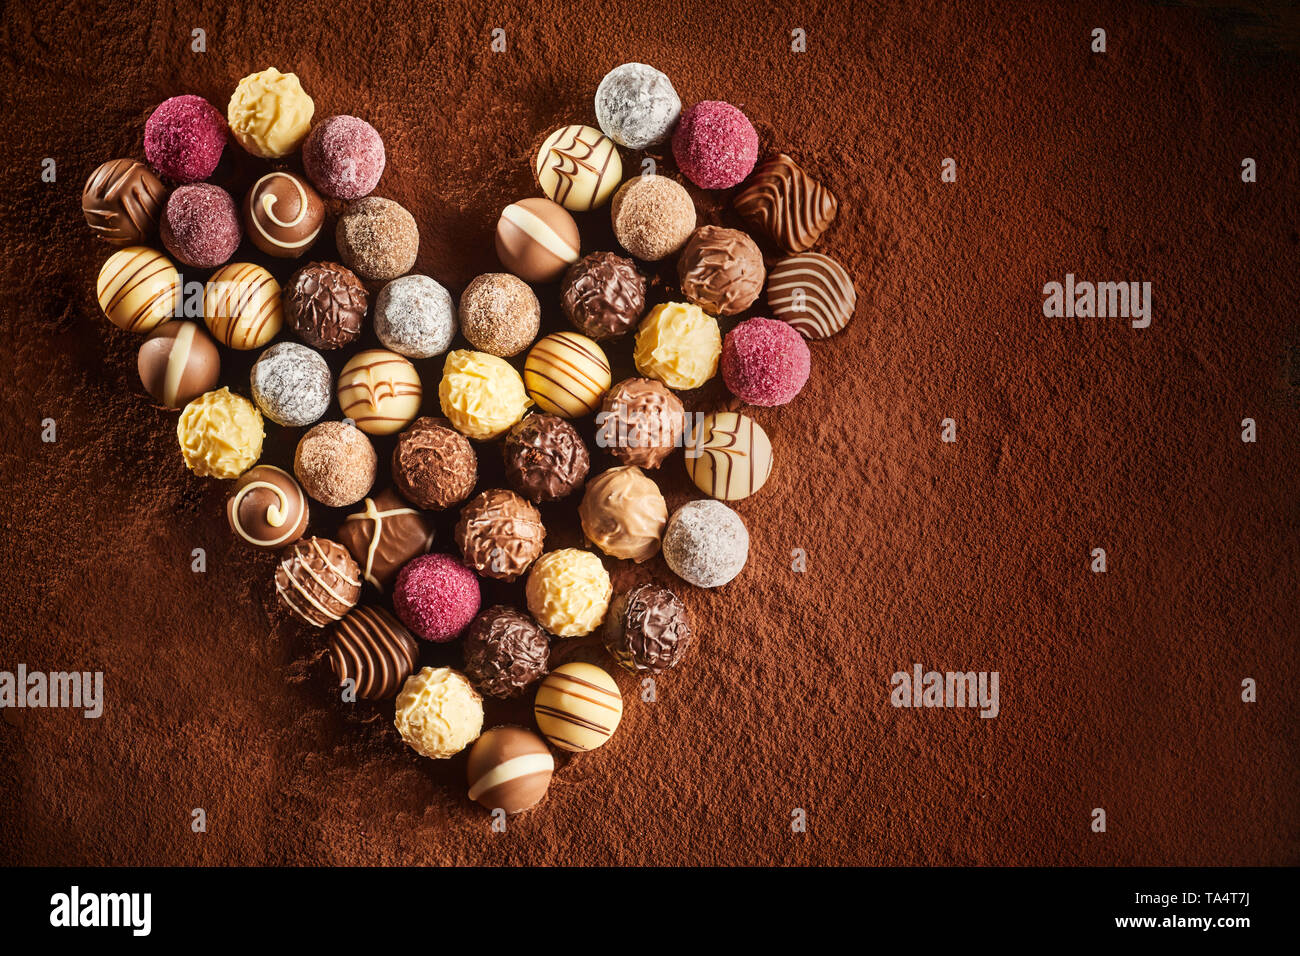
(380, 391)
(728, 456)
(786, 204)
(371, 648)
(578, 707)
(566, 374)
(318, 581)
(241, 306)
(138, 288)
(813, 293)
(579, 167)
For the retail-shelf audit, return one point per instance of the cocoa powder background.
(1119, 690)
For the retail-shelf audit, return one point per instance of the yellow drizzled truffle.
(439, 713)
(568, 592)
(270, 114)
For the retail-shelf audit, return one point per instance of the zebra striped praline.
(318, 581)
(578, 707)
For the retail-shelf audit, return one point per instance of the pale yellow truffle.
(438, 712)
(220, 434)
(481, 395)
(678, 344)
(568, 592)
(270, 113)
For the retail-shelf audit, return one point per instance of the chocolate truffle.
(415, 317)
(578, 707)
(715, 145)
(813, 293)
(545, 458)
(623, 513)
(481, 395)
(380, 391)
(568, 592)
(536, 239)
(509, 769)
(374, 651)
(566, 374)
(184, 138)
(344, 156)
(122, 200)
(178, 362)
(721, 270)
(384, 535)
(765, 362)
(220, 434)
(728, 456)
(637, 106)
(138, 288)
(678, 344)
(706, 543)
(325, 303)
(283, 215)
(648, 629)
(200, 225)
(653, 216)
(377, 239)
(640, 422)
(241, 306)
(436, 597)
(505, 652)
(335, 463)
(578, 167)
(434, 466)
(270, 113)
(318, 581)
(439, 713)
(499, 534)
(603, 295)
(291, 384)
(267, 508)
(499, 314)
(787, 205)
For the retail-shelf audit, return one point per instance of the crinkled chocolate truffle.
(505, 652)
(603, 295)
(545, 458)
(641, 422)
(499, 534)
(434, 465)
(648, 629)
(325, 303)
(721, 270)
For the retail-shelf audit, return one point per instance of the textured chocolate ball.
(325, 303)
(416, 317)
(499, 314)
(283, 215)
(335, 463)
(384, 535)
(374, 651)
(636, 105)
(545, 458)
(603, 295)
(200, 225)
(721, 270)
(122, 200)
(434, 465)
(344, 156)
(640, 422)
(648, 629)
(318, 581)
(499, 534)
(291, 384)
(509, 769)
(506, 651)
(377, 239)
(178, 362)
(184, 138)
(653, 216)
(267, 509)
(706, 543)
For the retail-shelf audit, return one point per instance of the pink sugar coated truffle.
(436, 597)
(184, 137)
(200, 225)
(715, 145)
(765, 362)
(344, 157)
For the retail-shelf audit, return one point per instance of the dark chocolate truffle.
(603, 295)
(505, 652)
(318, 581)
(545, 458)
(641, 421)
(372, 649)
(325, 303)
(434, 465)
(122, 200)
(648, 629)
(721, 270)
(283, 215)
(500, 534)
(384, 535)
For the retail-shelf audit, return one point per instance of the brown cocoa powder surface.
(1118, 690)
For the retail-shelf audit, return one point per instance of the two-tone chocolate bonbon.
(283, 215)
(318, 581)
(509, 769)
(267, 509)
(384, 535)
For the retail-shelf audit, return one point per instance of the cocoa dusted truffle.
(721, 270)
(434, 465)
(641, 421)
(335, 463)
(499, 534)
(325, 304)
(648, 629)
(545, 458)
(505, 652)
(377, 239)
(603, 295)
(499, 314)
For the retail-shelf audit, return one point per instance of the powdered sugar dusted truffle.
(291, 384)
(636, 105)
(706, 543)
(344, 157)
(416, 317)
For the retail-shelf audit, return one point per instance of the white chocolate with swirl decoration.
(728, 456)
(380, 391)
(579, 167)
(268, 509)
(283, 215)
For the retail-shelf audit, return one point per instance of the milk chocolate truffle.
(325, 303)
(499, 314)
(178, 362)
(578, 707)
(267, 508)
(623, 514)
(122, 200)
(241, 306)
(653, 216)
(566, 374)
(728, 456)
(384, 535)
(499, 534)
(679, 344)
(138, 288)
(318, 581)
(536, 239)
(545, 458)
(509, 769)
(706, 543)
(291, 384)
(374, 651)
(568, 592)
(784, 203)
(415, 317)
(505, 652)
(270, 113)
(220, 434)
(344, 156)
(335, 463)
(200, 225)
(648, 629)
(434, 465)
(636, 105)
(380, 391)
(721, 270)
(481, 395)
(377, 239)
(640, 422)
(813, 293)
(603, 295)
(579, 167)
(283, 215)
(439, 713)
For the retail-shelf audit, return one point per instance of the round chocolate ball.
(434, 465)
(325, 303)
(267, 509)
(636, 105)
(499, 534)
(721, 270)
(377, 239)
(200, 225)
(648, 629)
(509, 769)
(283, 215)
(715, 145)
(318, 581)
(335, 463)
(178, 362)
(384, 535)
(505, 652)
(653, 216)
(641, 422)
(416, 317)
(344, 157)
(545, 458)
(765, 361)
(184, 138)
(623, 513)
(291, 384)
(436, 597)
(706, 543)
(122, 200)
(499, 314)
(603, 295)
(537, 239)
